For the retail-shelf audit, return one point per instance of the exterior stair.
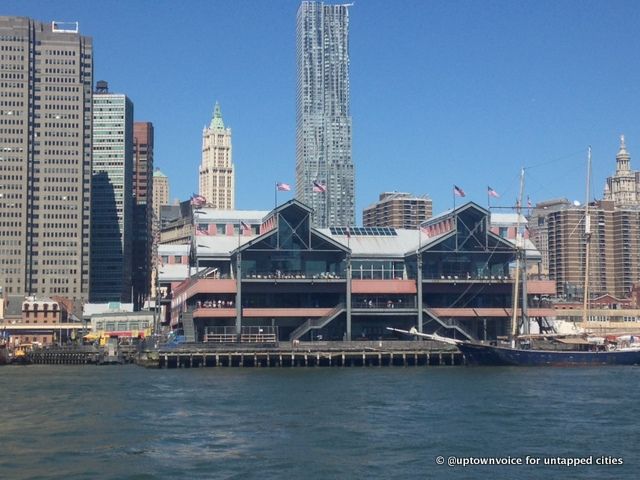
(317, 323)
(450, 323)
(188, 327)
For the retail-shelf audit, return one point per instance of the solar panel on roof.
(364, 231)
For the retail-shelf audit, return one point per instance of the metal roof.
(405, 241)
(220, 245)
(506, 219)
(214, 214)
(168, 250)
(175, 272)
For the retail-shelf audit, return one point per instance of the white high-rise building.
(217, 180)
(324, 167)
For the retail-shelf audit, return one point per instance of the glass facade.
(111, 198)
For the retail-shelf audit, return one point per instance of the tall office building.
(217, 181)
(160, 193)
(324, 168)
(111, 196)
(45, 158)
(398, 210)
(142, 211)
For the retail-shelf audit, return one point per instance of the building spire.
(216, 121)
(623, 159)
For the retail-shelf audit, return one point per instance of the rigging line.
(555, 160)
(482, 286)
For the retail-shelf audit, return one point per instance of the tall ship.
(579, 349)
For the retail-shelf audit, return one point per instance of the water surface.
(93, 422)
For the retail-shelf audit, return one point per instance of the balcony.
(292, 276)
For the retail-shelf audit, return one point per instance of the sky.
(443, 92)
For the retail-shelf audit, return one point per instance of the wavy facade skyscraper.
(325, 177)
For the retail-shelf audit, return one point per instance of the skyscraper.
(142, 210)
(160, 193)
(45, 158)
(217, 181)
(324, 168)
(111, 196)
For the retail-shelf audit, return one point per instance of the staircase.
(450, 323)
(188, 327)
(317, 323)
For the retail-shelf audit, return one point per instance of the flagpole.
(275, 205)
(454, 197)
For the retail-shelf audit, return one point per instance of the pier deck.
(312, 354)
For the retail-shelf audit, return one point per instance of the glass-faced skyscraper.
(324, 168)
(111, 196)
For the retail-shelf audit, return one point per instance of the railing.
(316, 323)
(468, 277)
(383, 304)
(220, 335)
(251, 334)
(296, 275)
(259, 335)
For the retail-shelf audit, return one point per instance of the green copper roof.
(216, 121)
(158, 173)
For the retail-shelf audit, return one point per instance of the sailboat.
(522, 350)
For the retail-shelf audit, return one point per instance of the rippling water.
(317, 423)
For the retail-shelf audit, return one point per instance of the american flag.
(458, 191)
(283, 187)
(319, 187)
(492, 193)
(244, 226)
(198, 200)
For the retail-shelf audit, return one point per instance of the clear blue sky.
(442, 92)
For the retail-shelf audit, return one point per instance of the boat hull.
(478, 354)
(4, 355)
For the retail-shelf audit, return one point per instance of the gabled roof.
(221, 246)
(405, 242)
(455, 211)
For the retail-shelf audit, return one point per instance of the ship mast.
(519, 249)
(587, 245)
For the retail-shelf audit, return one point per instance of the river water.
(126, 422)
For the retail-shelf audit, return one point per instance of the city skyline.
(512, 84)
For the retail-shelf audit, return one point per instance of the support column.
(419, 290)
(238, 293)
(348, 300)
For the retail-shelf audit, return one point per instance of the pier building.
(284, 280)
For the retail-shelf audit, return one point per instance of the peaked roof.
(158, 173)
(216, 121)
